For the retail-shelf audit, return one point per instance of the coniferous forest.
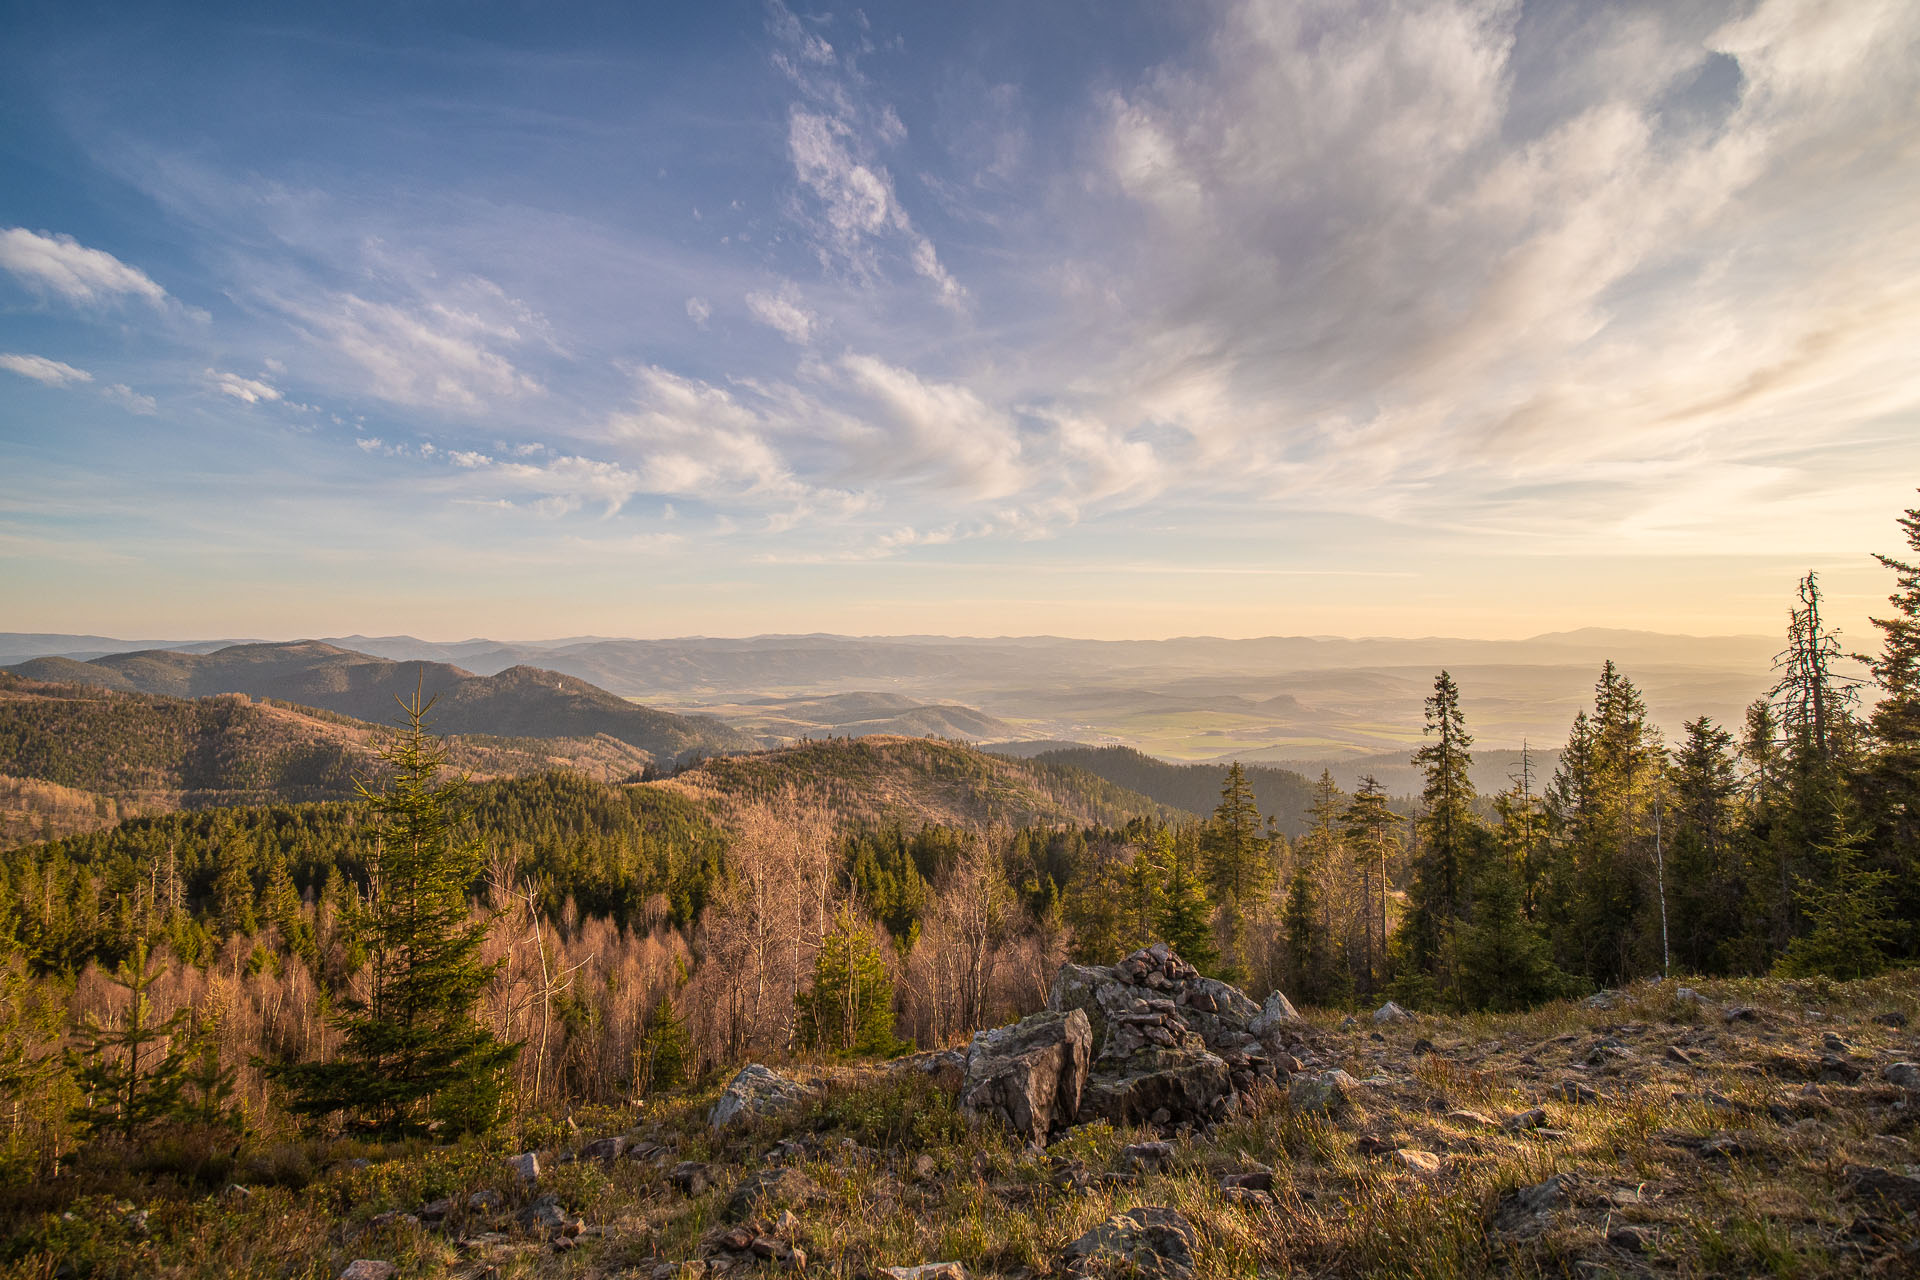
(457, 963)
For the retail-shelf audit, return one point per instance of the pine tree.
(131, 1074)
(1185, 918)
(1505, 962)
(1239, 866)
(1709, 887)
(1449, 835)
(1848, 910)
(850, 1006)
(1892, 776)
(412, 1052)
(1372, 830)
(1315, 974)
(665, 1051)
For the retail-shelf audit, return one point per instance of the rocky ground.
(1721, 1129)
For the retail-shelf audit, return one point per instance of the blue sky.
(1405, 317)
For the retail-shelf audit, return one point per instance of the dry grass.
(1636, 1158)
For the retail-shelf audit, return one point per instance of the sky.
(1362, 317)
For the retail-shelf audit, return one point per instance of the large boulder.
(755, 1091)
(1159, 1087)
(1172, 1045)
(1029, 1076)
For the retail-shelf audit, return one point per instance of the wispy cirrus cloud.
(55, 264)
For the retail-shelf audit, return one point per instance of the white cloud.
(251, 390)
(782, 311)
(54, 373)
(447, 351)
(699, 310)
(62, 265)
(942, 433)
(130, 400)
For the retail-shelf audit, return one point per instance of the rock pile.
(1172, 1046)
(1029, 1076)
(755, 1091)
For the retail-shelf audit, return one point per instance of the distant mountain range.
(519, 702)
(1281, 700)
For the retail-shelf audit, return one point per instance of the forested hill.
(1195, 788)
(77, 756)
(523, 702)
(882, 780)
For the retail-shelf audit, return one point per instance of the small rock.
(605, 1150)
(544, 1214)
(1324, 1094)
(1391, 1012)
(1150, 1241)
(1834, 1044)
(1583, 1094)
(525, 1166)
(436, 1210)
(925, 1166)
(1628, 1239)
(1422, 1045)
(1689, 995)
(1835, 1069)
(1891, 1018)
(369, 1269)
(235, 1192)
(1246, 1197)
(1257, 1180)
(1741, 1013)
(690, 1177)
(486, 1200)
(1519, 1121)
(1904, 1074)
(1470, 1119)
(1424, 1163)
(769, 1188)
(1884, 1184)
(691, 1269)
(1147, 1155)
(393, 1218)
(926, 1271)
(1676, 1054)
(1525, 1210)
(1722, 1148)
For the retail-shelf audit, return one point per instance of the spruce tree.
(1505, 962)
(1848, 910)
(849, 1009)
(1892, 776)
(1239, 866)
(131, 1074)
(1372, 830)
(665, 1051)
(1449, 836)
(413, 1053)
(1185, 918)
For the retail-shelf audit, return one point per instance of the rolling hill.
(519, 702)
(77, 757)
(1193, 788)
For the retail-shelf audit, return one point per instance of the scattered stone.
(544, 1214)
(1520, 1121)
(755, 1091)
(691, 1177)
(1257, 1180)
(393, 1218)
(1324, 1094)
(925, 1166)
(1835, 1069)
(1391, 1012)
(1676, 1054)
(1147, 1155)
(1525, 1211)
(1600, 1000)
(525, 1166)
(369, 1269)
(1583, 1094)
(926, 1271)
(1030, 1076)
(1424, 1163)
(1422, 1045)
(1152, 1241)
(486, 1200)
(605, 1150)
(1891, 1018)
(947, 1068)
(1628, 1239)
(1277, 1012)
(436, 1210)
(1723, 1148)
(1470, 1119)
(1883, 1184)
(1689, 995)
(691, 1269)
(768, 1189)
(1741, 1013)
(1904, 1074)
(1834, 1044)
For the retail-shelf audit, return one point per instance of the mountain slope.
(1280, 793)
(914, 781)
(517, 702)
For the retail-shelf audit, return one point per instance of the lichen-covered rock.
(1159, 1087)
(1324, 1094)
(754, 1091)
(769, 1189)
(1029, 1076)
(369, 1269)
(1148, 1241)
(1391, 1012)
